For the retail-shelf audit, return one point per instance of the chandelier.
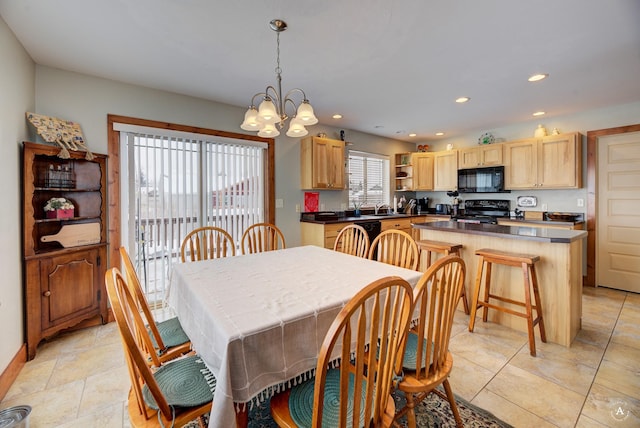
(272, 112)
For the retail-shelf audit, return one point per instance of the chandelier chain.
(278, 69)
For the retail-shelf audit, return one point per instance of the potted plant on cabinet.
(59, 208)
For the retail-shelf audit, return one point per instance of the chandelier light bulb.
(267, 111)
(305, 113)
(268, 131)
(296, 128)
(250, 122)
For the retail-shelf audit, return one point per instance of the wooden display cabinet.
(63, 286)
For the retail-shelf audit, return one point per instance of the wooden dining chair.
(395, 247)
(207, 242)
(427, 362)
(261, 237)
(352, 239)
(168, 339)
(177, 392)
(378, 314)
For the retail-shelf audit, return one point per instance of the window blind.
(368, 179)
(177, 182)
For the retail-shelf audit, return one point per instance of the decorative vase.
(540, 132)
(357, 212)
(61, 214)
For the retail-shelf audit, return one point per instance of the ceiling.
(390, 67)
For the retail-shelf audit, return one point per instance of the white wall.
(556, 200)
(17, 96)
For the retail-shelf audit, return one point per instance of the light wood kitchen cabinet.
(320, 235)
(322, 164)
(403, 224)
(404, 172)
(481, 156)
(552, 162)
(63, 284)
(422, 171)
(445, 167)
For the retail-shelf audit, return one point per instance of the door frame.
(592, 193)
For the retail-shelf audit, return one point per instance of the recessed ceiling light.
(337, 116)
(439, 134)
(413, 134)
(537, 77)
(462, 99)
(539, 113)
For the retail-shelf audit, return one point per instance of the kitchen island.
(559, 270)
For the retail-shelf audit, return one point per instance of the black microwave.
(481, 180)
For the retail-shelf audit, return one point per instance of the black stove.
(484, 211)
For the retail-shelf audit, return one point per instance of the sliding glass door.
(174, 182)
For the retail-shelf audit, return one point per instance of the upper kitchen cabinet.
(422, 171)
(322, 164)
(445, 166)
(481, 156)
(552, 162)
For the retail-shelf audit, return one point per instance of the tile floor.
(79, 379)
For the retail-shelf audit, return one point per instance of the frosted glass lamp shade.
(269, 131)
(296, 128)
(267, 112)
(305, 114)
(250, 122)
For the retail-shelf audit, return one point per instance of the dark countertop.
(561, 236)
(525, 221)
(364, 217)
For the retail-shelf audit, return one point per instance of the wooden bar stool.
(445, 248)
(527, 263)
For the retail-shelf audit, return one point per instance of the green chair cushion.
(171, 333)
(301, 401)
(409, 360)
(185, 382)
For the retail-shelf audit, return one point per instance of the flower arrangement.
(59, 208)
(58, 204)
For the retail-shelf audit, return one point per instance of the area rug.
(431, 413)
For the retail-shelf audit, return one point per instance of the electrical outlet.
(279, 203)
(581, 202)
(321, 207)
(297, 208)
(544, 207)
(343, 206)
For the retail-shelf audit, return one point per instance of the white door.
(618, 212)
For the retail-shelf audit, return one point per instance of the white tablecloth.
(258, 320)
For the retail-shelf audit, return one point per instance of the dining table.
(258, 320)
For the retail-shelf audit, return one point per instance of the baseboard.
(13, 369)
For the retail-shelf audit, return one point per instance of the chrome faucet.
(380, 205)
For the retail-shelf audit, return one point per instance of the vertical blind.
(175, 183)
(368, 179)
